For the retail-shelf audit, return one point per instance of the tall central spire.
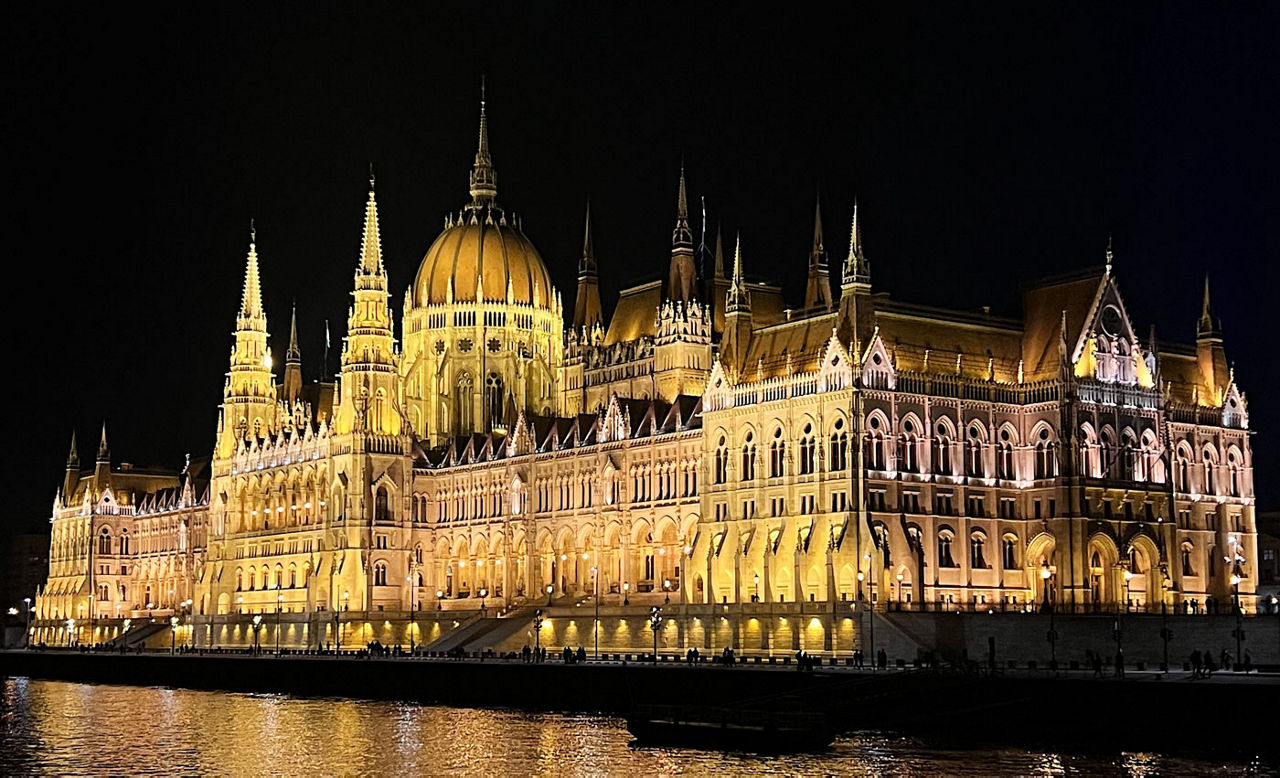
(484, 179)
(857, 271)
(251, 316)
(371, 241)
(682, 235)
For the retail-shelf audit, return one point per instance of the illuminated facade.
(705, 448)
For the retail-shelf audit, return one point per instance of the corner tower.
(249, 394)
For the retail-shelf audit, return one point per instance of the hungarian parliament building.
(764, 469)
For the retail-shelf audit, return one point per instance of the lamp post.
(1046, 575)
(595, 574)
(537, 631)
(71, 625)
(1128, 590)
(899, 591)
(1238, 632)
(871, 614)
(626, 592)
(550, 588)
(439, 599)
(756, 580)
(655, 624)
(173, 633)
(279, 607)
(1165, 634)
(483, 593)
(26, 639)
(666, 587)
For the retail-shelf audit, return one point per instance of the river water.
(58, 728)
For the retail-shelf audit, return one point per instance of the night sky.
(986, 146)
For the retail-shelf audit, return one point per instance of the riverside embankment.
(1140, 710)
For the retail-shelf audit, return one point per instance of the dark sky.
(986, 145)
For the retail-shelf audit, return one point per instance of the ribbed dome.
(482, 244)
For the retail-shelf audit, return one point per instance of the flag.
(326, 333)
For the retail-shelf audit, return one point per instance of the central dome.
(482, 244)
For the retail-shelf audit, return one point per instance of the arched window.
(379, 403)
(381, 507)
(253, 579)
(945, 539)
(1233, 473)
(417, 554)
(293, 576)
(722, 461)
(777, 454)
(464, 399)
(494, 400)
(1210, 468)
(104, 542)
(977, 546)
(240, 579)
(876, 450)
(1046, 457)
(1182, 469)
(1009, 552)
(380, 574)
(124, 542)
(749, 458)
(1004, 461)
(973, 465)
(1187, 569)
(908, 453)
(808, 451)
(839, 447)
(942, 451)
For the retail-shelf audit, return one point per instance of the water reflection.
(61, 728)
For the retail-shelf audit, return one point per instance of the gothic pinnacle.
(73, 458)
(371, 241)
(104, 453)
(484, 179)
(588, 263)
(293, 355)
(682, 235)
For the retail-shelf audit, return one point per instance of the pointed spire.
(588, 262)
(484, 179)
(73, 457)
(1209, 327)
(817, 293)
(1110, 255)
(856, 268)
(293, 355)
(251, 296)
(682, 235)
(371, 241)
(104, 452)
(738, 298)
(719, 265)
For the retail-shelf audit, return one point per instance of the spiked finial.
(1110, 255)
(251, 296)
(719, 266)
(293, 355)
(371, 241)
(682, 235)
(588, 263)
(1209, 326)
(484, 179)
(738, 299)
(73, 458)
(104, 453)
(818, 248)
(856, 268)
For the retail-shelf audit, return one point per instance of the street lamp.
(756, 580)
(626, 592)
(71, 625)
(26, 601)
(550, 588)
(483, 593)
(439, 598)
(257, 625)
(1165, 634)
(279, 607)
(666, 587)
(173, 633)
(1046, 576)
(1238, 632)
(537, 632)
(595, 574)
(655, 624)
(899, 591)
(1128, 592)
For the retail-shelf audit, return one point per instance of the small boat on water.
(736, 729)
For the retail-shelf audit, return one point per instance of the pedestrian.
(1248, 662)
(582, 654)
(1197, 664)
(883, 659)
(1226, 659)
(1208, 664)
(1119, 663)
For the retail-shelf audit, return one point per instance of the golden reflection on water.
(64, 728)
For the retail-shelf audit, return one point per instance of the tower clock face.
(1111, 320)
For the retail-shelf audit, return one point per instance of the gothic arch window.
(1046, 455)
(380, 574)
(1182, 468)
(1234, 477)
(875, 440)
(945, 539)
(379, 403)
(722, 461)
(977, 548)
(1004, 461)
(749, 458)
(293, 576)
(104, 542)
(1129, 453)
(494, 400)
(908, 451)
(839, 446)
(1210, 470)
(973, 464)
(1107, 454)
(124, 542)
(465, 387)
(1187, 550)
(777, 454)
(1009, 551)
(808, 451)
(417, 554)
(942, 452)
(381, 505)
